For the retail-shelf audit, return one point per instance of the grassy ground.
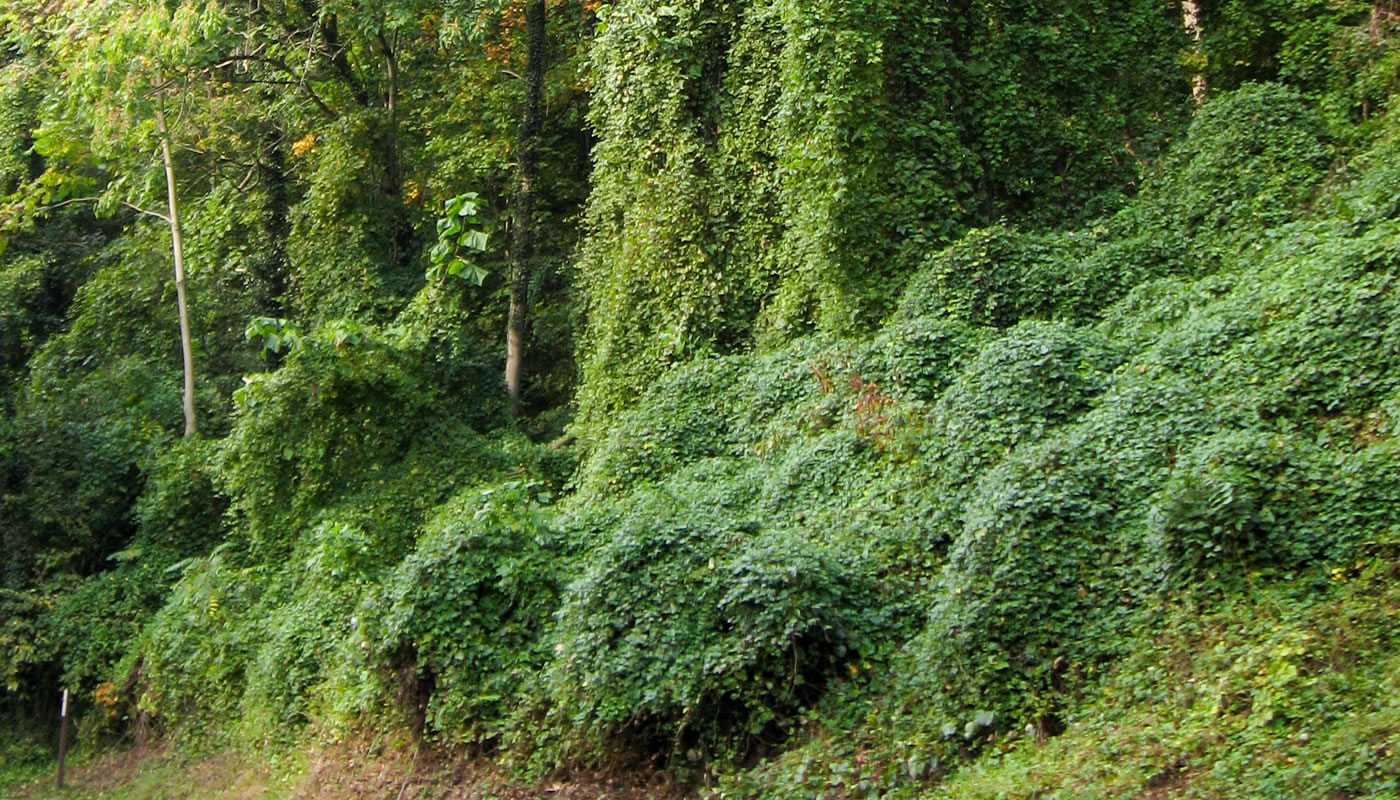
(156, 774)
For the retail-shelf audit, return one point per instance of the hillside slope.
(960, 410)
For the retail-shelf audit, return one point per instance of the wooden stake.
(62, 737)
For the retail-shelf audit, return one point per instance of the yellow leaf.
(304, 144)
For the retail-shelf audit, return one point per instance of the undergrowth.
(1098, 512)
(1284, 689)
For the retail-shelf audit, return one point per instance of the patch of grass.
(157, 774)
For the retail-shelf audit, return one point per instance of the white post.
(62, 737)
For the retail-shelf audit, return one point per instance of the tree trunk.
(522, 249)
(400, 226)
(1373, 38)
(1191, 21)
(177, 247)
(277, 227)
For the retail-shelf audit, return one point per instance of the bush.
(1371, 192)
(1027, 579)
(298, 628)
(23, 641)
(1237, 499)
(195, 651)
(816, 475)
(1019, 387)
(926, 353)
(684, 417)
(776, 393)
(180, 511)
(464, 613)
(1253, 159)
(694, 625)
(997, 277)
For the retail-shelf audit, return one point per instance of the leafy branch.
(459, 230)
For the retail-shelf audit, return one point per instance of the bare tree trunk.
(1191, 21)
(177, 246)
(522, 249)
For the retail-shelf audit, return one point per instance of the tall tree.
(124, 67)
(524, 234)
(1191, 22)
(177, 248)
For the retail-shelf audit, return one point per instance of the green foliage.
(1255, 157)
(919, 379)
(94, 627)
(95, 624)
(926, 353)
(275, 334)
(302, 171)
(335, 464)
(25, 642)
(19, 96)
(342, 416)
(1211, 430)
(1220, 505)
(341, 247)
(180, 511)
(996, 277)
(1274, 694)
(465, 612)
(454, 235)
(695, 625)
(194, 653)
(1021, 385)
(684, 422)
(766, 167)
(1060, 540)
(1337, 53)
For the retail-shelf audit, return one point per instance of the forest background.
(781, 397)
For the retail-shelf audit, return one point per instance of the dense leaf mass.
(919, 399)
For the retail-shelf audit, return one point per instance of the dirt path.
(358, 769)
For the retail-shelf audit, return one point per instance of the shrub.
(1020, 386)
(684, 417)
(180, 510)
(1027, 579)
(194, 652)
(354, 409)
(1252, 159)
(775, 394)
(694, 625)
(465, 611)
(997, 277)
(817, 474)
(925, 353)
(1238, 498)
(299, 626)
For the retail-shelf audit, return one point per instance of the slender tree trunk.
(177, 247)
(1373, 37)
(278, 225)
(1191, 21)
(522, 249)
(400, 226)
